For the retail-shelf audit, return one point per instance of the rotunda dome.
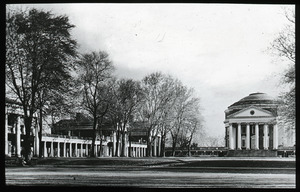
(254, 99)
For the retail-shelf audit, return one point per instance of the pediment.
(251, 112)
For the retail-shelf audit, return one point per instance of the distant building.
(15, 129)
(82, 127)
(71, 137)
(251, 126)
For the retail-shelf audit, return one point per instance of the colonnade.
(237, 144)
(138, 151)
(156, 147)
(67, 148)
(60, 147)
(16, 130)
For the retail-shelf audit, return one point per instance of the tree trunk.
(174, 145)
(117, 143)
(41, 132)
(149, 145)
(129, 140)
(27, 147)
(163, 144)
(189, 151)
(123, 144)
(92, 154)
(100, 147)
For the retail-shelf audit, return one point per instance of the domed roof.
(255, 98)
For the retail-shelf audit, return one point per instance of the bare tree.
(94, 71)
(183, 103)
(154, 100)
(38, 50)
(192, 124)
(164, 126)
(128, 95)
(284, 47)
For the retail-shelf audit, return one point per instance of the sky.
(219, 50)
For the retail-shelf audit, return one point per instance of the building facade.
(251, 126)
(73, 139)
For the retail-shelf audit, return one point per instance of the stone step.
(252, 153)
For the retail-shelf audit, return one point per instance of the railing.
(135, 142)
(66, 136)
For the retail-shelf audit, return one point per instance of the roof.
(255, 98)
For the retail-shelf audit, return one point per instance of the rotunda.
(250, 126)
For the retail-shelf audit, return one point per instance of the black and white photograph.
(150, 95)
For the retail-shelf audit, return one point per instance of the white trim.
(247, 108)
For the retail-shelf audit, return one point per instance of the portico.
(252, 135)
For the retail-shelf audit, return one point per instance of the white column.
(76, 150)
(65, 149)
(36, 141)
(275, 136)
(239, 137)
(247, 136)
(107, 151)
(45, 149)
(18, 137)
(119, 148)
(70, 150)
(230, 137)
(265, 136)
(96, 155)
(256, 136)
(155, 145)
(159, 146)
(6, 131)
(125, 148)
(52, 150)
(139, 151)
(58, 149)
(114, 144)
(81, 150)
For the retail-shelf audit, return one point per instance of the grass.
(182, 162)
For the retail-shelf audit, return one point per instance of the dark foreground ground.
(218, 172)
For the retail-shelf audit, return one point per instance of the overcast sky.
(218, 49)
